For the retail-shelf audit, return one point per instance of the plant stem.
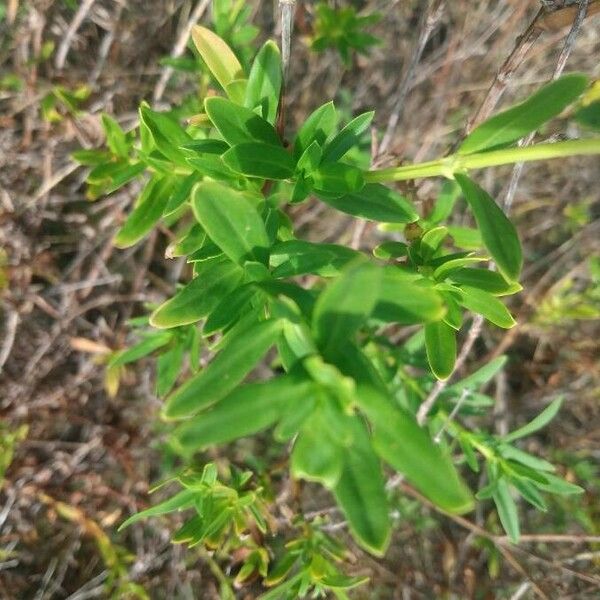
(457, 162)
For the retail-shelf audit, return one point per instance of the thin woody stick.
(431, 16)
(287, 21)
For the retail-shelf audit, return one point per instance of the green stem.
(456, 163)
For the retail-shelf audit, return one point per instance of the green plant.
(343, 30)
(342, 392)
(9, 440)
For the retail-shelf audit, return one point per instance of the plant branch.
(456, 162)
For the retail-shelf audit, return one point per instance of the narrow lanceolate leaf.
(264, 82)
(298, 257)
(498, 233)
(516, 122)
(230, 309)
(231, 221)
(181, 501)
(146, 213)
(115, 137)
(479, 377)
(486, 280)
(245, 411)
(346, 304)
(507, 510)
(540, 421)
(402, 301)
(440, 343)
(167, 133)
(360, 493)
(227, 370)
(154, 341)
(215, 280)
(217, 55)
(238, 124)
(375, 202)
(255, 159)
(399, 440)
(348, 137)
(337, 179)
(486, 305)
(317, 128)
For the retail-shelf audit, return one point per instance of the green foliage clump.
(342, 29)
(343, 394)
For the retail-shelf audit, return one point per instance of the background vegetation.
(80, 444)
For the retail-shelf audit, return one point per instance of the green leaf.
(454, 313)
(226, 371)
(589, 115)
(166, 132)
(346, 303)
(374, 202)
(317, 454)
(360, 493)
(193, 239)
(238, 124)
(399, 440)
(486, 280)
(402, 301)
(231, 221)
(317, 128)
(181, 501)
(516, 122)
(447, 268)
(206, 146)
(507, 510)
(180, 194)
(389, 250)
(146, 346)
(91, 158)
(264, 83)
(498, 233)
(245, 411)
(444, 203)
(255, 159)
(440, 343)
(168, 367)
(215, 280)
(236, 90)
(533, 462)
(229, 309)
(348, 137)
(337, 179)
(479, 377)
(529, 492)
(431, 241)
(538, 423)
(486, 305)
(217, 55)
(556, 485)
(146, 213)
(310, 159)
(115, 137)
(298, 257)
(211, 165)
(467, 238)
